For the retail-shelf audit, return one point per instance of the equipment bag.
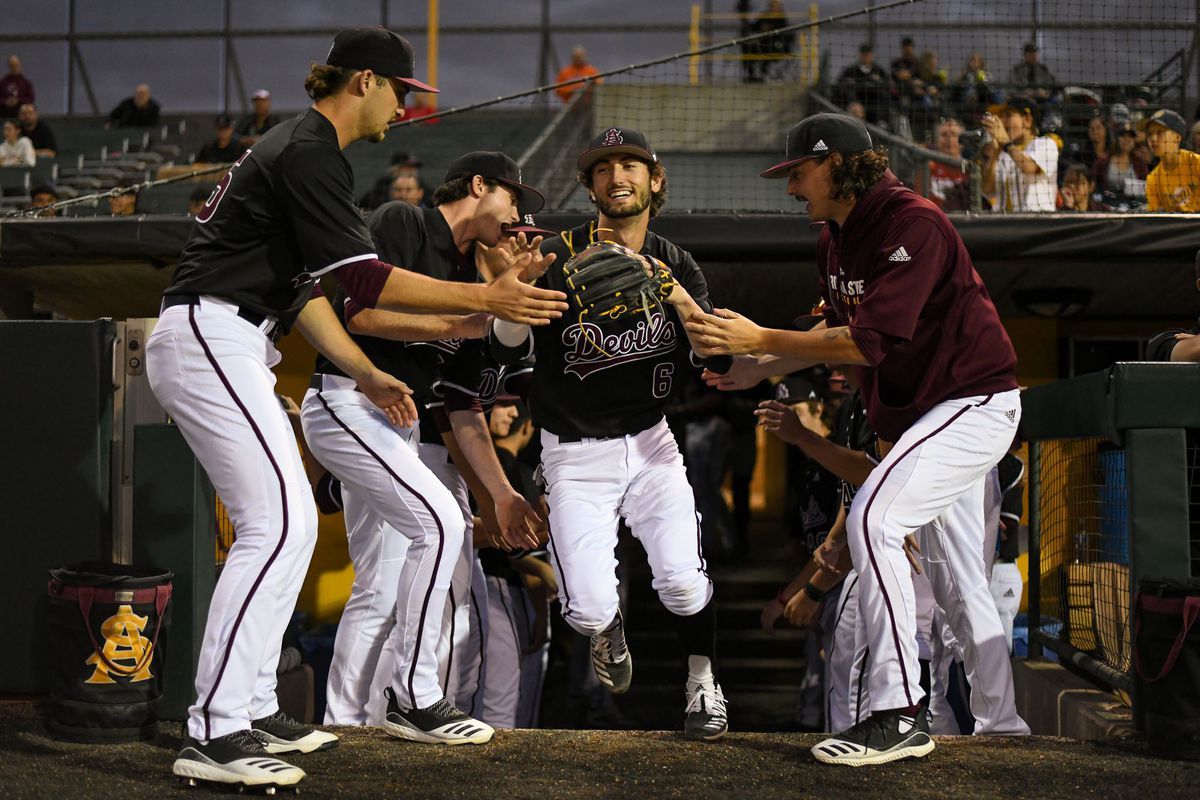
(1166, 656)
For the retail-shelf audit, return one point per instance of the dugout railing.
(1113, 500)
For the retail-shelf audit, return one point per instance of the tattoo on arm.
(837, 333)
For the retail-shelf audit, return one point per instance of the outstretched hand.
(724, 333)
(509, 298)
(743, 373)
(392, 396)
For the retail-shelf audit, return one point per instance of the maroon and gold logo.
(613, 137)
(123, 642)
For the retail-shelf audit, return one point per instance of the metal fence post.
(1034, 610)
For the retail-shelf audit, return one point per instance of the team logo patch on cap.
(613, 137)
(529, 219)
(820, 146)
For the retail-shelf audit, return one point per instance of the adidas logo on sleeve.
(900, 255)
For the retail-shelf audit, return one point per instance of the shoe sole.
(276, 746)
(914, 751)
(191, 770)
(700, 737)
(411, 734)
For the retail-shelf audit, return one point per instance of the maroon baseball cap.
(379, 50)
(623, 141)
(819, 135)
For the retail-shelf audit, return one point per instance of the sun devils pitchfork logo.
(613, 137)
(124, 647)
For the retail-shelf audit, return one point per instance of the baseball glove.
(607, 281)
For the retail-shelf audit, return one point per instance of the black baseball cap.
(528, 226)
(223, 121)
(497, 166)
(1031, 47)
(820, 135)
(616, 141)
(1168, 119)
(379, 50)
(1018, 103)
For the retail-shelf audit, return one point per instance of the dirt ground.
(647, 766)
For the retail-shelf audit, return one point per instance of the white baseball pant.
(935, 473)
(1006, 587)
(211, 371)
(842, 696)
(355, 441)
(641, 478)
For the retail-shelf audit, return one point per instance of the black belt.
(576, 439)
(316, 383)
(253, 317)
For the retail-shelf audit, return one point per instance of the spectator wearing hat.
(1174, 185)
(15, 89)
(1031, 76)
(865, 82)
(1020, 168)
(1122, 174)
(44, 143)
(223, 149)
(137, 111)
(252, 126)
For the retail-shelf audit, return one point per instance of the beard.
(631, 206)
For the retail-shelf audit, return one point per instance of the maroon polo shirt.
(898, 274)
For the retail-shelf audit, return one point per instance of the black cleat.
(279, 733)
(705, 718)
(238, 758)
(878, 739)
(440, 723)
(611, 657)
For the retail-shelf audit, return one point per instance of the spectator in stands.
(252, 126)
(1031, 76)
(1194, 138)
(403, 163)
(126, 203)
(422, 105)
(930, 86)
(44, 143)
(973, 91)
(856, 110)
(1123, 173)
(224, 149)
(15, 89)
(1020, 168)
(408, 189)
(1077, 189)
(1173, 185)
(42, 196)
(197, 199)
(138, 111)
(865, 82)
(777, 47)
(750, 50)
(949, 187)
(578, 69)
(16, 150)
(904, 75)
(1100, 141)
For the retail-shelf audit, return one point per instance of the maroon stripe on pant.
(412, 670)
(887, 600)
(478, 696)
(700, 549)
(450, 653)
(237, 623)
(566, 602)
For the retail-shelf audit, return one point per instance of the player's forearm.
(403, 327)
(1186, 349)
(473, 438)
(824, 346)
(412, 292)
(320, 326)
(849, 465)
(686, 307)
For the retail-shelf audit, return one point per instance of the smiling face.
(810, 182)
(621, 186)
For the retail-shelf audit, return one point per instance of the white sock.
(700, 670)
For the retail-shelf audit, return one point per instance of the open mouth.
(620, 194)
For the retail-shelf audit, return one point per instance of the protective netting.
(1084, 538)
(922, 73)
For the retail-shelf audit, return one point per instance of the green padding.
(1068, 409)
(174, 527)
(1157, 476)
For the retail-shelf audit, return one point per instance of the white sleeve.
(1044, 153)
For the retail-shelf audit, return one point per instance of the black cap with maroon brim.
(528, 227)
(820, 135)
(379, 50)
(616, 141)
(498, 167)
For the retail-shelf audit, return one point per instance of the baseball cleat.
(880, 738)
(237, 759)
(440, 723)
(279, 734)
(611, 657)
(705, 713)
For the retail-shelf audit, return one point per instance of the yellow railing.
(807, 53)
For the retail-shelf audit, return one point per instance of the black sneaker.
(237, 758)
(279, 733)
(705, 712)
(611, 657)
(440, 723)
(878, 739)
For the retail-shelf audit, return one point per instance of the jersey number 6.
(661, 380)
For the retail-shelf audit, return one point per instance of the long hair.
(324, 80)
(853, 174)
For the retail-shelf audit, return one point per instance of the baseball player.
(402, 484)
(598, 394)
(280, 218)
(937, 374)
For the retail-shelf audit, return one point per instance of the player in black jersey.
(407, 509)
(598, 394)
(281, 217)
